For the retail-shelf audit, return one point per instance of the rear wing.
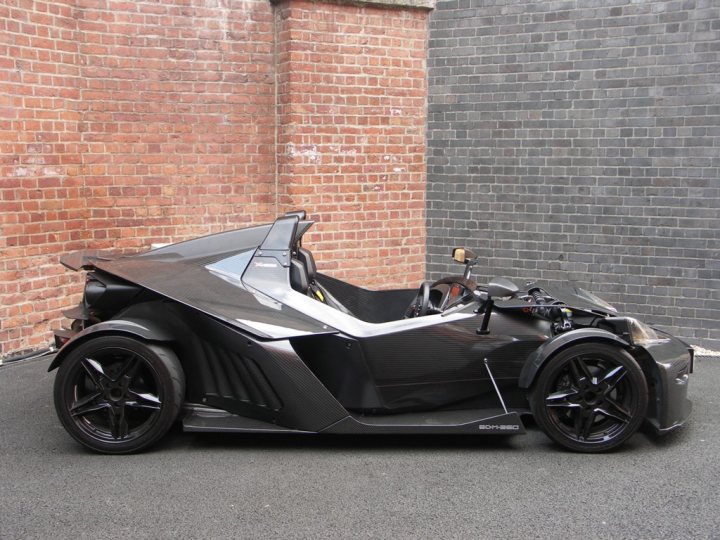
(86, 259)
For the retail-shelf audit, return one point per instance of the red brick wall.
(41, 191)
(351, 136)
(125, 123)
(177, 113)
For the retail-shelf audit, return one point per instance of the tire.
(590, 397)
(118, 395)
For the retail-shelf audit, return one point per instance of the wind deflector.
(299, 213)
(281, 235)
(302, 228)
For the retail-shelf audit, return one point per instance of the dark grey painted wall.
(580, 140)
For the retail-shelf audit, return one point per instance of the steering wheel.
(458, 288)
(419, 306)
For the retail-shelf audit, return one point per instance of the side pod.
(538, 358)
(140, 328)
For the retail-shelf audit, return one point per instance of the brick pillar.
(351, 97)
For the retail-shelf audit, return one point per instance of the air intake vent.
(235, 378)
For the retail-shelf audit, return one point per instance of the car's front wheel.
(590, 397)
(117, 395)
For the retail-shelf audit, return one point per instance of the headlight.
(641, 334)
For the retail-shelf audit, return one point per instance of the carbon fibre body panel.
(138, 326)
(233, 370)
(193, 285)
(670, 369)
(550, 347)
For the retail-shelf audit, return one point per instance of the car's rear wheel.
(590, 397)
(117, 395)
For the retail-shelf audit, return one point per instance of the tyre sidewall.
(549, 374)
(164, 365)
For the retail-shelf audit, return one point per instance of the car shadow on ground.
(176, 438)
(534, 438)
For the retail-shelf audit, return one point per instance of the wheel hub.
(116, 394)
(592, 396)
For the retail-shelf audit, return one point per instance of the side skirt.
(199, 418)
(476, 422)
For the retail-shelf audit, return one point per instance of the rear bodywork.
(262, 354)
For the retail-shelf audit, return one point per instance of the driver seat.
(313, 288)
(305, 257)
(299, 276)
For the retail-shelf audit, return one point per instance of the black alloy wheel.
(590, 397)
(117, 395)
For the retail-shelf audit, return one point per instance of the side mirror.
(463, 255)
(501, 288)
(497, 288)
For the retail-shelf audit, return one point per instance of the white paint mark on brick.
(308, 151)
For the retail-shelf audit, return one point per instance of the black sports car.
(238, 332)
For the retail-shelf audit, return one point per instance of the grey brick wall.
(580, 141)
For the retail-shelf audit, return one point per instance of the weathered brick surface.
(41, 199)
(351, 136)
(580, 141)
(125, 124)
(128, 123)
(176, 116)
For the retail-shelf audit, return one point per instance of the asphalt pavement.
(241, 486)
